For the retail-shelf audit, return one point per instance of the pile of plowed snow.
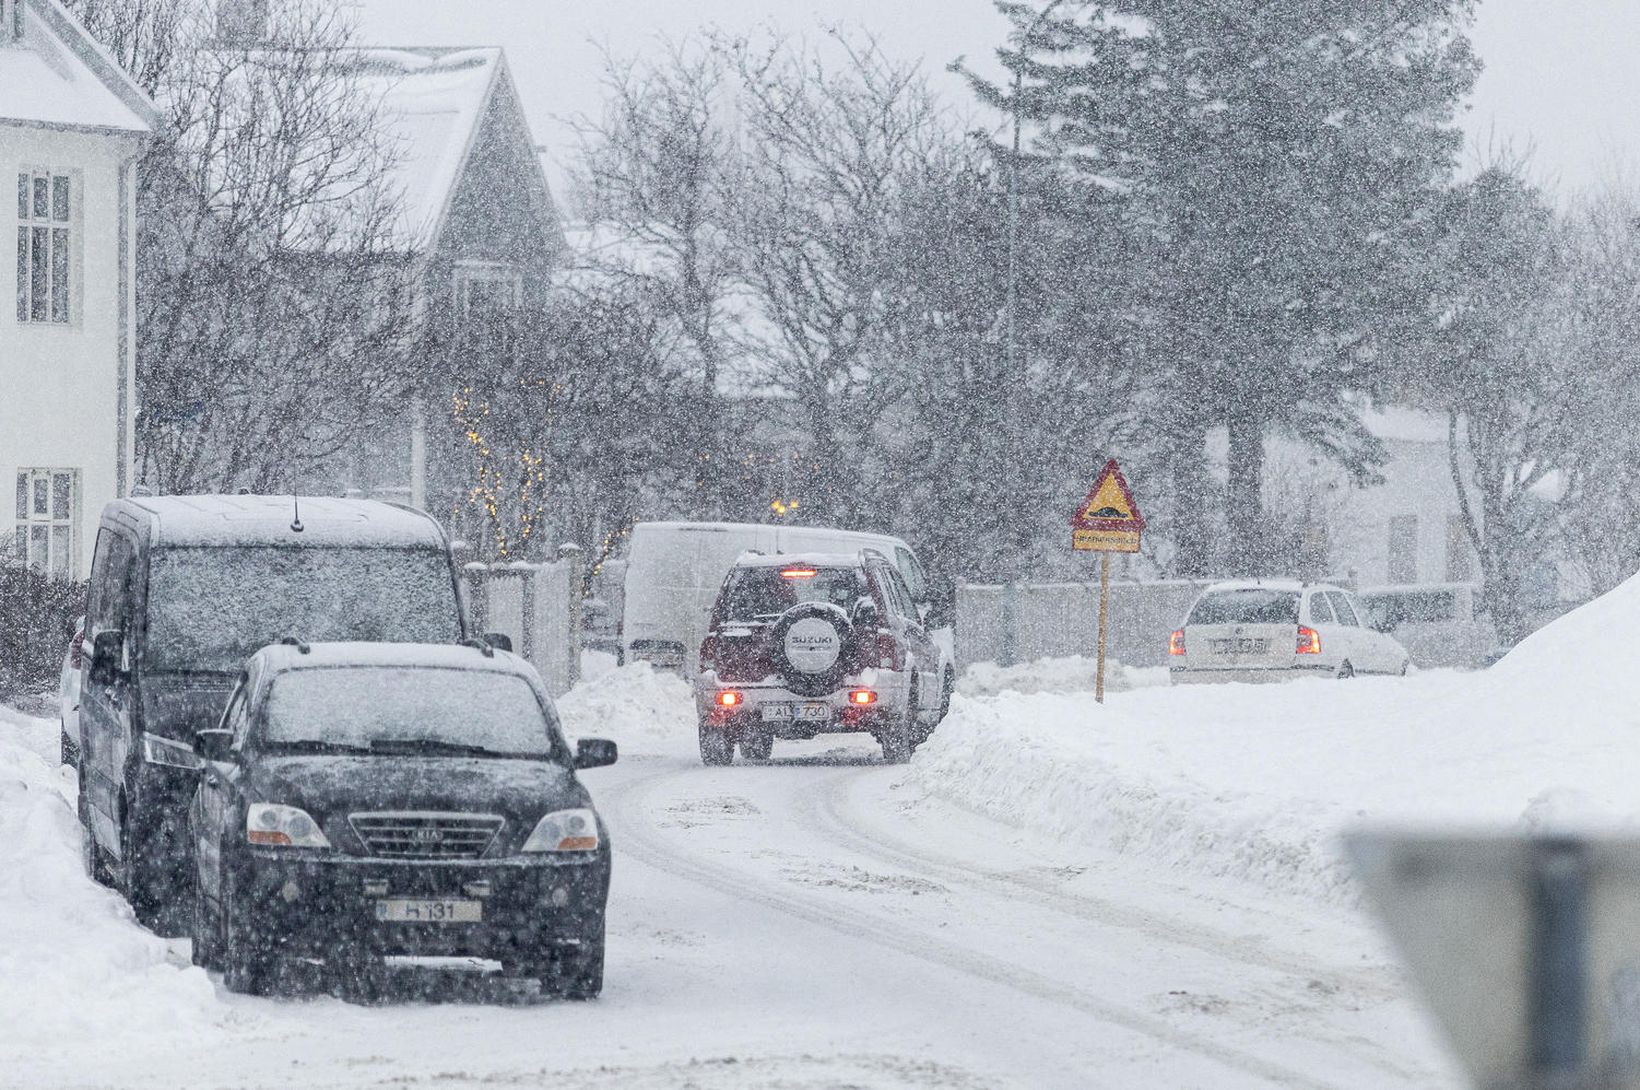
(636, 705)
(1255, 782)
(76, 971)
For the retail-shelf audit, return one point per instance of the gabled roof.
(434, 101)
(60, 77)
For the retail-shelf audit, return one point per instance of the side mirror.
(213, 745)
(499, 640)
(594, 753)
(866, 614)
(107, 657)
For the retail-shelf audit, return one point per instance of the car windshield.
(209, 609)
(399, 710)
(1247, 605)
(754, 593)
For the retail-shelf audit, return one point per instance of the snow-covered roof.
(58, 76)
(432, 103)
(1399, 424)
(266, 520)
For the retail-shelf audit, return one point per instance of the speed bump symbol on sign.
(1108, 521)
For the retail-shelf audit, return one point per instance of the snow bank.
(75, 968)
(1255, 782)
(1073, 673)
(636, 705)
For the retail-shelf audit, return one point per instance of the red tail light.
(729, 699)
(1175, 642)
(862, 697)
(1309, 641)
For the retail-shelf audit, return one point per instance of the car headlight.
(163, 751)
(282, 826)
(565, 831)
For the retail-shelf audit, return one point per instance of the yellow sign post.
(1108, 521)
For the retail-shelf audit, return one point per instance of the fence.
(538, 607)
(1025, 621)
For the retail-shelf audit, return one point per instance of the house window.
(48, 503)
(11, 21)
(1403, 549)
(1460, 561)
(487, 292)
(44, 214)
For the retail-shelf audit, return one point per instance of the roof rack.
(484, 647)
(292, 641)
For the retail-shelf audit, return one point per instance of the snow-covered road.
(820, 920)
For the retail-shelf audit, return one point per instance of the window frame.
(467, 274)
(62, 550)
(51, 215)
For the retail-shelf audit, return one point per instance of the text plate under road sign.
(1105, 541)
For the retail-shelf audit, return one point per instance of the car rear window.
(764, 592)
(365, 706)
(1249, 605)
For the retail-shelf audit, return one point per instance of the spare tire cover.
(813, 644)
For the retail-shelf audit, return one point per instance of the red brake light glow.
(729, 699)
(862, 697)
(1175, 642)
(1309, 641)
(798, 573)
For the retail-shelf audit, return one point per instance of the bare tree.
(274, 300)
(650, 183)
(826, 154)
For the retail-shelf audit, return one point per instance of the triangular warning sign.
(1109, 505)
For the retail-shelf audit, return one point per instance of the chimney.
(11, 21)
(241, 22)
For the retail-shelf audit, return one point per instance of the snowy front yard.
(1051, 894)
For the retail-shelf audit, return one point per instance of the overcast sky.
(1561, 75)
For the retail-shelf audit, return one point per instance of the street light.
(1013, 430)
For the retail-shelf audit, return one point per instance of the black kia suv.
(360, 801)
(806, 644)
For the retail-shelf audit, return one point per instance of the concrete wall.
(67, 396)
(1045, 620)
(538, 607)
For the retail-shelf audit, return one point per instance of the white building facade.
(72, 126)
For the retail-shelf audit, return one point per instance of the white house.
(72, 126)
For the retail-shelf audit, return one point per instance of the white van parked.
(674, 571)
(1441, 624)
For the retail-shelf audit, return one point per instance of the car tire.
(246, 967)
(717, 746)
(579, 976)
(157, 906)
(756, 744)
(98, 866)
(1346, 671)
(899, 738)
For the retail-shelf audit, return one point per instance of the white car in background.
(1441, 624)
(68, 697)
(1275, 630)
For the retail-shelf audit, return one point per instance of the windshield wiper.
(313, 745)
(435, 745)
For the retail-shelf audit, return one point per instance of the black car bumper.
(320, 907)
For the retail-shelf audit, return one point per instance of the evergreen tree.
(1276, 159)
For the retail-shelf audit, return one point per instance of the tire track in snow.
(639, 839)
(827, 801)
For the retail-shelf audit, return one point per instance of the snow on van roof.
(280, 657)
(766, 527)
(1267, 584)
(267, 520)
